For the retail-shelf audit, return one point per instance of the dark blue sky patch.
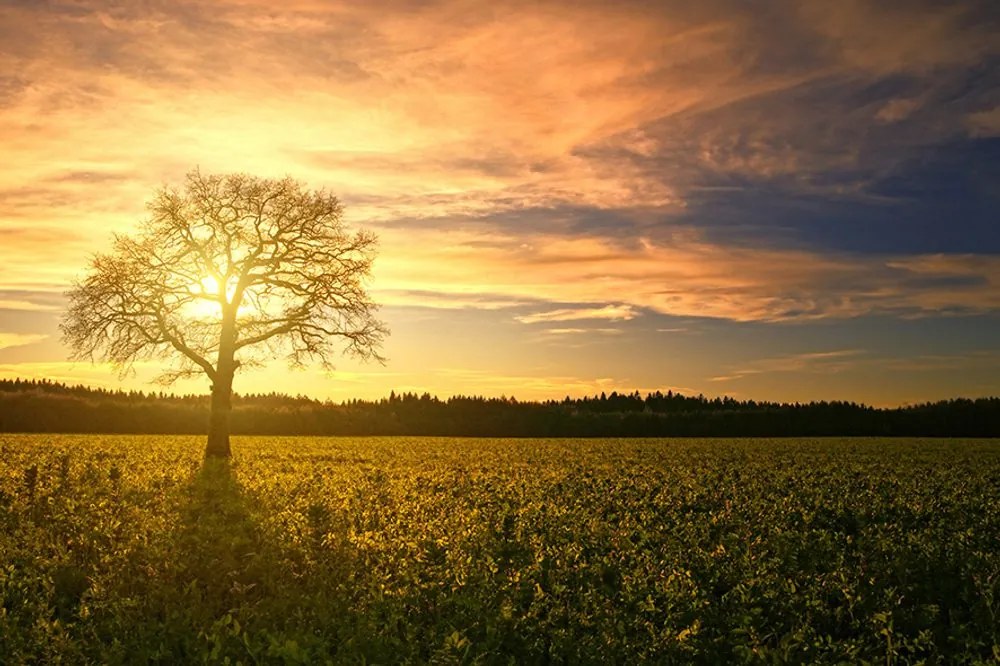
(921, 225)
(946, 200)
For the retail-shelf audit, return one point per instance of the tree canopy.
(229, 271)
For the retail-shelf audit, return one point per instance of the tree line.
(48, 406)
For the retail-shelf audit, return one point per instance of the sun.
(210, 285)
(206, 303)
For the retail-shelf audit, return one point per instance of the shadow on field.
(218, 546)
(239, 593)
(221, 568)
(192, 590)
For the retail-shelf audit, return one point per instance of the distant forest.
(46, 406)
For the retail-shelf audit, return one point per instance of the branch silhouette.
(229, 271)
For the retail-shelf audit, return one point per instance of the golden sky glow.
(752, 197)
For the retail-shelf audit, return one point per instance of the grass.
(130, 550)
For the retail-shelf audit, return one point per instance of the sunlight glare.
(208, 288)
(210, 285)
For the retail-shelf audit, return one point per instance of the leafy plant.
(134, 550)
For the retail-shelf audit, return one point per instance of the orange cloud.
(685, 276)
(427, 111)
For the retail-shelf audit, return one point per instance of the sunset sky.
(769, 200)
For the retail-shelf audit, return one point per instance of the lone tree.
(229, 271)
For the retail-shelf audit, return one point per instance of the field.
(128, 550)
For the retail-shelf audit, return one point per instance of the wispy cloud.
(31, 301)
(448, 300)
(977, 359)
(855, 359)
(7, 304)
(686, 275)
(607, 312)
(583, 331)
(824, 361)
(897, 109)
(8, 340)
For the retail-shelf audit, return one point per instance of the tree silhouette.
(229, 271)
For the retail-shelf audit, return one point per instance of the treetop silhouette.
(229, 271)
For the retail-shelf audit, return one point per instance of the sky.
(772, 200)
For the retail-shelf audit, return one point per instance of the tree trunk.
(218, 420)
(222, 387)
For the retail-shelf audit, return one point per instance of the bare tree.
(227, 272)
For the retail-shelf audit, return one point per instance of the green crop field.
(127, 550)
